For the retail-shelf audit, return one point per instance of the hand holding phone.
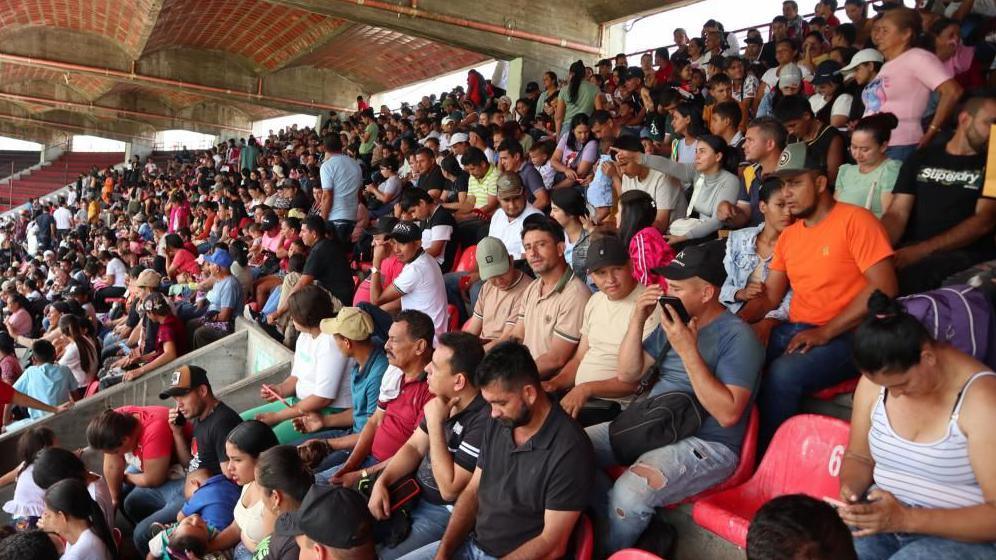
(678, 307)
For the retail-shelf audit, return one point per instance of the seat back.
(468, 260)
(748, 458)
(453, 318)
(634, 554)
(804, 457)
(584, 539)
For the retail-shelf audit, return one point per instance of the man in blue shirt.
(44, 381)
(224, 302)
(342, 179)
(715, 357)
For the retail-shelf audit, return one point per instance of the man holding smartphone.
(714, 356)
(444, 449)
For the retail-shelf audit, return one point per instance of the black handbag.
(650, 423)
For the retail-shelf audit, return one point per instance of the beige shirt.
(605, 324)
(558, 312)
(496, 307)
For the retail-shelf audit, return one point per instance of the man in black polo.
(534, 474)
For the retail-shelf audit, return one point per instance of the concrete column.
(613, 40)
(138, 147)
(51, 152)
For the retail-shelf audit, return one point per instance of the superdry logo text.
(970, 179)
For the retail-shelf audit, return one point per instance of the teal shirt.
(48, 383)
(854, 187)
(365, 384)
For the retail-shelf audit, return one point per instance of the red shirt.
(171, 330)
(401, 416)
(390, 268)
(663, 73)
(184, 261)
(155, 439)
(6, 392)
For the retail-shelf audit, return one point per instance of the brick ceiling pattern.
(374, 55)
(266, 34)
(119, 21)
(90, 87)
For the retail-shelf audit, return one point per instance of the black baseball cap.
(704, 261)
(184, 380)
(605, 250)
(634, 72)
(753, 41)
(332, 516)
(827, 71)
(405, 232)
(797, 158)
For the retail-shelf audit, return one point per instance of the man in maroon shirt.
(403, 394)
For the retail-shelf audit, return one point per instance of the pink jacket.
(649, 250)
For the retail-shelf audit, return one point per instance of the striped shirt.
(934, 475)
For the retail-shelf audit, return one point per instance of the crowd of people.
(476, 288)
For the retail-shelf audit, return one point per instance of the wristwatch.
(364, 474)
(374, 270)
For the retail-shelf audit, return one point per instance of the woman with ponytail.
(580, 96)
(868, 182)
(72, 514)
(919, 476)
(81, 355)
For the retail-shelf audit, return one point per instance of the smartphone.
(402, 492)
(676, 304)
(180, 419)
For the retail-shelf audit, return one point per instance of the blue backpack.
(960, 315)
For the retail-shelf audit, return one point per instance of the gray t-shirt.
(731, 352)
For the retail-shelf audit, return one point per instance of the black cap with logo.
(704, 261)
(332, 516)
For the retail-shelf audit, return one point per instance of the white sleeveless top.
(932, 475)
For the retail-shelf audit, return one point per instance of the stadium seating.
(634, 554)
(804, 457)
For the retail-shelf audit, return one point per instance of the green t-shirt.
(584, 103)
(368, 146)
(865, 189)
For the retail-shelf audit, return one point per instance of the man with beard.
(941, 217)
(533, 476)
(549, 323)
(834, 256)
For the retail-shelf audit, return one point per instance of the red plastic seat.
(804, 458)
(584, 539)
(839, 389)
(468, 260)
(634, 554)
(745, 467)
(453, 316)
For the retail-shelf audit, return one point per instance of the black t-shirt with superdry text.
(947, 188)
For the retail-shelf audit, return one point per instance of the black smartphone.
(402, 491)
(180, 419)
(675, 304)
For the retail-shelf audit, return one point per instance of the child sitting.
(540, 155)
(599, 192)
(45, 381)
(27, 504)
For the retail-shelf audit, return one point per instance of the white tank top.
(933, 475)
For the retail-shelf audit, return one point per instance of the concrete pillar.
(613, 40)
(515, 84)
(51, 152)
(138, 147)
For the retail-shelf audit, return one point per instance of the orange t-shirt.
(825, 264)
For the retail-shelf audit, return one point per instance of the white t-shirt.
(841, 105)
(63, 218)
(666, 195)
(116, 267)
(71, 360)
(87, 547)
(510, 232)
(421, 286)
(322, 370)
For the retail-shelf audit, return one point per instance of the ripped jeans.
(664, 476)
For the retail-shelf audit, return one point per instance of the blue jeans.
(792, 376)
(902, 546)
(146, 506)
(900, 153)
(322, 477)
(428, 525)
(624, 509)
(454, 297)
(467, 551)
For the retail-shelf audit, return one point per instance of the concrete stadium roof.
(126, 68)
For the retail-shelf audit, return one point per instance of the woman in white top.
(28, 502)
(243, 447)
(919, 476)
(72, 514)
(319, 379)
(80, 355)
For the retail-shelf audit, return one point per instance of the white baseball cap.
(861, 57)
(459, 137)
